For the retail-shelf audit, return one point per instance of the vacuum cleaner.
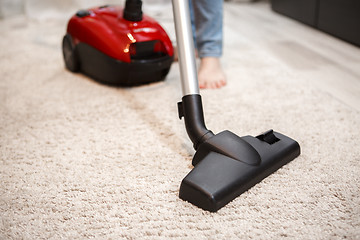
(225, 165)
(117, 46)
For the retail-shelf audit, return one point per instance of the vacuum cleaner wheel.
(70, 57)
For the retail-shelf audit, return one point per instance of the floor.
(80, 160)
(322, 60)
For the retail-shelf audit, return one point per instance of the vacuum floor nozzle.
(227, 165)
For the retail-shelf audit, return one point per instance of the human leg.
(207, 16)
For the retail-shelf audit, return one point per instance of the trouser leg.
(207, 18)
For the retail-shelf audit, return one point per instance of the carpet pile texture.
(82, 160)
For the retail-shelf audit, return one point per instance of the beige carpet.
(81, 160)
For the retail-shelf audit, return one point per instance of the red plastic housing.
(105, 29)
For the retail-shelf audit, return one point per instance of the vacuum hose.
(132, 11)
(191, 109)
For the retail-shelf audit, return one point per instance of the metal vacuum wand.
(186, 48)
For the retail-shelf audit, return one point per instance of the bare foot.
(211, 74)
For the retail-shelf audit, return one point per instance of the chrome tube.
(185, 45)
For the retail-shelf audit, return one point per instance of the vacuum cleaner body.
(114, 47)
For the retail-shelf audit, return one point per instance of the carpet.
(81, 160)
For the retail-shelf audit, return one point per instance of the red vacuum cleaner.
(112, 45)
(117, 46)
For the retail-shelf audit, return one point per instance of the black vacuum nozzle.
(132, 11)
(226, 165)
